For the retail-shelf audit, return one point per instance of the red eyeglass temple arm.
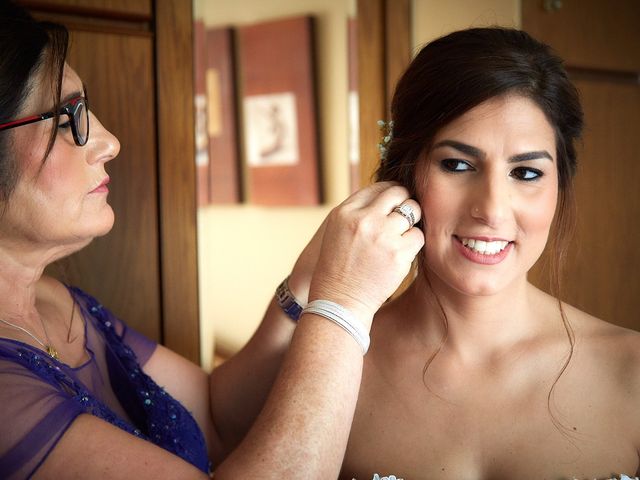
(25, 121)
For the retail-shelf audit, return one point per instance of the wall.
(434, 18)
(245, 251)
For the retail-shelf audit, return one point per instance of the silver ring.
(407, 212)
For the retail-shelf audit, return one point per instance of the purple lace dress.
(40, 397)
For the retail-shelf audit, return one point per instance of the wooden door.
(600, 42)
(135, 58)
(130, 251)
(383, 53)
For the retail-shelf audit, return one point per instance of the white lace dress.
(393, 477)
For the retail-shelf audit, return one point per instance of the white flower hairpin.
(386, 135)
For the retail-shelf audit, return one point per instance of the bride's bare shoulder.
(599, 330)
(609, 355)
(588, 326)
(600, 344)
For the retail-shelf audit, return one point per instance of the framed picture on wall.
(222, 117)
(279, 112)
(354, 104)
(200, 103)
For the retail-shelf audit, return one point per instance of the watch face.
(294, 311)
(288, 302)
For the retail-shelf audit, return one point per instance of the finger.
(366, 195)
(390, 198)
(405, 218)
(414, 241)
(317, 237)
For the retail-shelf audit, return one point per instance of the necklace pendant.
(53, 353)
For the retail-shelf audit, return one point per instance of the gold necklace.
(50, 349)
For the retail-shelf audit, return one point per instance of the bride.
(473, 372)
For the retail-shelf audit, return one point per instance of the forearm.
(358, 258)
(304, 428)
(239, 387)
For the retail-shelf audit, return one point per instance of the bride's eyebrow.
(523, 157)
(469, 150)
(479, 154)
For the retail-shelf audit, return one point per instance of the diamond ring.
(407, 212)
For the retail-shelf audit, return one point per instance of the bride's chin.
(468, 286)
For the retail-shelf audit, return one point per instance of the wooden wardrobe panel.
(588, 33)
(135, 55)
(600, 43)
(177, 176)
(384, 52)
(122, 268)
(606, 257)
(371, 83)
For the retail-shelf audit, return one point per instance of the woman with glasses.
(84, 396)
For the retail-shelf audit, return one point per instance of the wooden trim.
(84, 11)
(177, 177)
(397, 43)
(96, 25)
(371, 83)
(384, 51)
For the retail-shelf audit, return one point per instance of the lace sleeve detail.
(142, 346)
(35, 413)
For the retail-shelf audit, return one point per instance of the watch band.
(287, 301)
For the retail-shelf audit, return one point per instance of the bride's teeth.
(483, 247)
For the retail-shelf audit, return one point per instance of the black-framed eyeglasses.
(76, 109)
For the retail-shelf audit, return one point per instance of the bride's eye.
(455, 165)
(526, 174)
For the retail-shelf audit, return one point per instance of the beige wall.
(434, 18)
(245, 251)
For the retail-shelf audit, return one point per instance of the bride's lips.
(483, 258)
(102, 188)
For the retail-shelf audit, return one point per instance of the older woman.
(82, 395)
(473, 372)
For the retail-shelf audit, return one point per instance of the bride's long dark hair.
(458, 72)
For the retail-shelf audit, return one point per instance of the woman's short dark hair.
(28, 47)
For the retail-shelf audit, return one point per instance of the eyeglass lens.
(80, 117)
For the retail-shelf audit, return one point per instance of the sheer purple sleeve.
(141, 345)
(34, 414)
(40, 397)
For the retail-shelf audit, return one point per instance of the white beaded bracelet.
(342, 317)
